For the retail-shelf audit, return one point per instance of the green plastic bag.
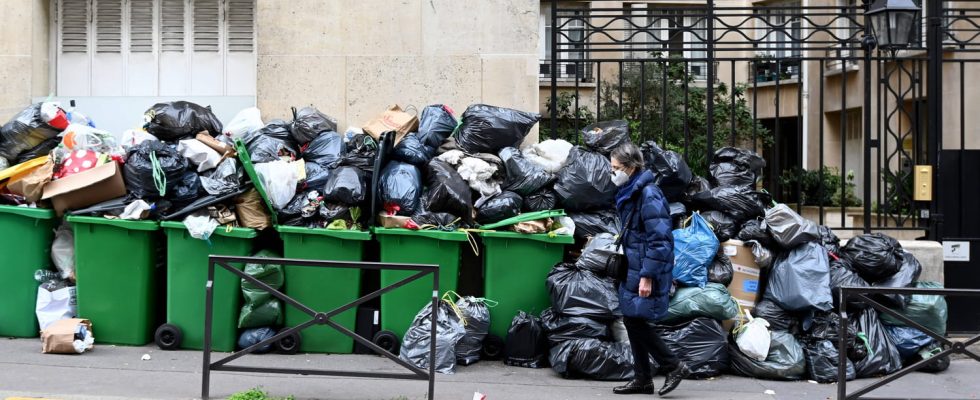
(713, 301)
(261, 309)
(929, 310)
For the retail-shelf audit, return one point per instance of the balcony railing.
(567, 71)
(770, 70)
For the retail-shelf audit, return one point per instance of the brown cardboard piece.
(225, 150)
(31, 184)
(393, 119)
(84, 189)
(58, 337)
(392, 221)
(251, 211)
(745, 278)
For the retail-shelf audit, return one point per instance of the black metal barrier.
(949, 347)
(317, 318)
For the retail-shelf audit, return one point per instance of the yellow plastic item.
(22, 168)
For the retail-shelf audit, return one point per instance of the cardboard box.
(745, 279)
(84, 189)
(392, 221)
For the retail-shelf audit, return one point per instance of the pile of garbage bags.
(461, 327)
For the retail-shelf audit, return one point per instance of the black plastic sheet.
(178, 120)
(606, 136)
(448, 191)
(499, 207)
(581, 293)
(526, 345)
(326, 149)
(308, 123)
(523, 176)
(401, 185)
(874, 256)
(585, 184)
(487, 129)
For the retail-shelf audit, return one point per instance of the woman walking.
(649, 246)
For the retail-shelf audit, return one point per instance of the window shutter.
(108, 26)
(74, 26)
(172, 25)
(141, 26)
(241, 26)
(207, 25)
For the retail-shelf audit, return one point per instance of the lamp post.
(888, 25)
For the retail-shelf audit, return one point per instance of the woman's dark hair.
(629, 155)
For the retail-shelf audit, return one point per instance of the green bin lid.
(241, 233)
(118, 223)
(541, 237)
(532, 216)
(246, 161)
(36, 213)
(335, 233)
(456, 236)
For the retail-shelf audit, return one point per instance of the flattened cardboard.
(84, 189)
(393, 119)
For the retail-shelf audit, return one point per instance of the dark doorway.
(784, 155)
(960, 224)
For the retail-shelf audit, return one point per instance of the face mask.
(619, 178)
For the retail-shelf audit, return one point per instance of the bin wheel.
(168, 337)
(289, 344)
(387, 340)
(493, 348)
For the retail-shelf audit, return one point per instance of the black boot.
(674, 378)
(635, 386)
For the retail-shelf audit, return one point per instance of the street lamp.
(893, 22)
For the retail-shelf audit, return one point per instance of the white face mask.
(619, 178)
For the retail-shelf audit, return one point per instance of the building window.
(571, 37)
(674, 32)
(154, 47)
(779, 36)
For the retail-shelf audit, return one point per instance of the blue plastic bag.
(695, 248)
(908, 340)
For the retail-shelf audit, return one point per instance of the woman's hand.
(646, 285)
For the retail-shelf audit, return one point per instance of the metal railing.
(317, 318)
(949, 347)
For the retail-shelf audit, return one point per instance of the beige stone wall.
(23, 54)
(353, 58)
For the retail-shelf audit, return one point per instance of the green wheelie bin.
(321, 288)
(115, 270)
(187, 275)
(404, 246)
(25, 242)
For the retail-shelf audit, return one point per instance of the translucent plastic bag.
(199, 154)
(753, 338)
(279, 178)
(550, 155)
(246, 121)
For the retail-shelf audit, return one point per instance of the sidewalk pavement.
(111, 372)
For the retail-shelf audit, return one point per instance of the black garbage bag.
(763, 256)
(187, 191)
(875, 256)
(40, 150)
(841, 275)
(436, 124)
(592, 359)
(526, 345)
(270, 143)
(724, 227)
(487, 129)
(585, 183)
(251, 337)
(784, 362)
(499, 207)
(883, 357)
(739, 202)
(225, 178)
(721, 270)
(361, 153)
(906, 276)
(542, 200)
(589, 224)
(788, 228)
(523, 176)
(582, 293)
(778, 318)
(138, 170)
(448, 192)
(332, 212)
(411, 150)
(699, 343)
(560, 328)
(736, 167)
(418, 340)
(673, 175)
(829, 240)
(346, 185)
(326, 149)
(800, 280)
(401, 185)
(822, 359)
(176, 120)
(303, 206)
(597, 252)
(604, 137)
(698, 184)
(308, 123)
(23, 132)
(316, 176)
(753, 230)
(439, 220)
(476, 320)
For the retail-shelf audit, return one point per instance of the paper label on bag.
(730, 251)
(750, 286)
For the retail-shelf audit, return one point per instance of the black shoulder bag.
(617, 265)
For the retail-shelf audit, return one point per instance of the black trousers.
(646, 341)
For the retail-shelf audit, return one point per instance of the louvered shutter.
(241, 26)
(172, 18)
(73, 33)
(141, 26)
